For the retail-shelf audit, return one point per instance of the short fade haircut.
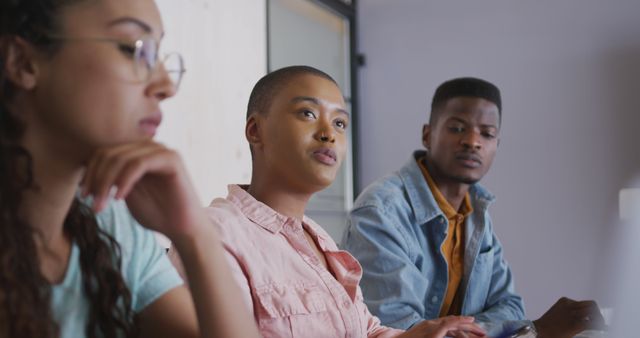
(269, 85)
(465, 86)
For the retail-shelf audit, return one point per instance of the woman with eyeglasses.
(80, 86)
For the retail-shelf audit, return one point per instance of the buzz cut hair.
(269, 85)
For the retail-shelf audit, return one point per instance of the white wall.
(223, 43)
(570, 78)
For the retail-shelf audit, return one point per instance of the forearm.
(502, 318)
(502, 328)
(220, 310)
(504, 311)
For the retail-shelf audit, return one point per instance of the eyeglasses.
(144, 52)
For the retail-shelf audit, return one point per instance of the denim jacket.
(396, 230)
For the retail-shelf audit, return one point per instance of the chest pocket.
(480, 282)
(292, 310)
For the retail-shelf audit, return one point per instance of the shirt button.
(434, 299)
(346, 304)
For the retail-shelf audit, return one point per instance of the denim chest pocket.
(292, 310)
(480, 281)
(485, 256)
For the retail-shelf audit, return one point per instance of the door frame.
(349, 12)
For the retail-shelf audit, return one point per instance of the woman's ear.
(252, 131)
(20, 62)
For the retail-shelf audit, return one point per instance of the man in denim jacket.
(424, 236)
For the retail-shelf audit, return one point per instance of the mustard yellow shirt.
(453, 245)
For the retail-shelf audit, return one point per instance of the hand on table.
(568, 317)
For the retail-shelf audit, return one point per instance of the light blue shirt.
(396, 230)
(145, 268)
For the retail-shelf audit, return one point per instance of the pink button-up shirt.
(289, 291)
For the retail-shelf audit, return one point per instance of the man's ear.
(20, 66)
(252, 130)
(426, 132)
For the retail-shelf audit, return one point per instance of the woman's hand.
(450, 326)
(153, 181)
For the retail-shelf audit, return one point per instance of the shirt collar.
(465, 209)
(325, 242)
(256, 211)
(423, 203)
(269, 219)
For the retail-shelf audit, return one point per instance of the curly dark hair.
(25, 294)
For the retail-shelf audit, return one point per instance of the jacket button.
(434, 299)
